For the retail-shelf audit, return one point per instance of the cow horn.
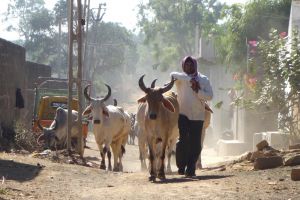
(55, 125)
(41, 137)
(168, 86)
(108, 93)
(85, 92)
(39, 125)
(153, 83)
(142, 84)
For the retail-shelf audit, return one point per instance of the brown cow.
(160, 113)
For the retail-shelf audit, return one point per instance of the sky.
(120, 11)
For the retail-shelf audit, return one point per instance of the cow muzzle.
(97, 121)
(153, 116)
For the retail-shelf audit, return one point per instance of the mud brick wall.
(12, 76)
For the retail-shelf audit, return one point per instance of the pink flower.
(282, 34)
(252, 43)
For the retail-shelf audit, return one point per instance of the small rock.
(255, 155)
(70, 162)
(261, 145)
(295, 174)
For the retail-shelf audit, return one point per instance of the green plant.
(279, 85)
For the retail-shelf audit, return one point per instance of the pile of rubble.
(266, 157)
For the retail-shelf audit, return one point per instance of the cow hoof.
(120, 168)
(168, 171)
(152, 178)
(144, 167)
(103, 167)
(116, 169)
(199, 166)
(109, 168)
(162, 177)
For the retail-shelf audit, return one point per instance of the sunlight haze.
(122, 12)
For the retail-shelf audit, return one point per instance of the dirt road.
(27, 177)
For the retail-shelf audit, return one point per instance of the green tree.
(113, 48)
(246, 23)
(35, 26)
(170, 26)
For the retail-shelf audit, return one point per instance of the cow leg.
(169, 154)
(161, 173)
(133, 137)
(115, 155)
(109, 157)
(143, 155)
(170, 150)
(151, 164)
(142, 149)
(120, 158)
(199, 163)
(123, 143)
(102, 153)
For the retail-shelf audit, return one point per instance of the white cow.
(111, 126)
(56, 134)
(160, 115)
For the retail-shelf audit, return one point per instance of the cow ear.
(168, 105)
(87, 111)
(105, 112)
(141, 100)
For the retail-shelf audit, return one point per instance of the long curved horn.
(142, 84)
(108, 93)
(153, 83)
(85, 92)
(168, 86)
(39, 125)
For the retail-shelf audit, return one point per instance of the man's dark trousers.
(188, 147)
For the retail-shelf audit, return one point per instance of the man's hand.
(195, 85)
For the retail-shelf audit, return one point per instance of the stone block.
(295, 146)
(268, 162)
(277, 139)
(231, 147)
(292, 160)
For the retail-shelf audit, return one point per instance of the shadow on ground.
(196, 178)
(21, 172)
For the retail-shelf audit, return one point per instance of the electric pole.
(75, 36)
